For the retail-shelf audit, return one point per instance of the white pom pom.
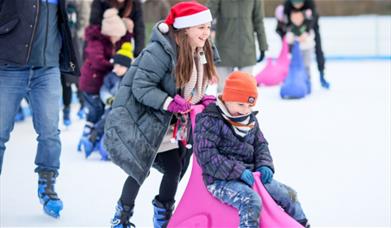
(163, 27)
(189, 146)
(173, 140)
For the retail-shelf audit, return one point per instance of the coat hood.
(165, 40)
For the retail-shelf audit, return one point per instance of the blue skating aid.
(297, 84)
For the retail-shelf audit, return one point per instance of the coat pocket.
(8, 26)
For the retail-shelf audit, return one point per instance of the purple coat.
(98, 53)
(221, 153)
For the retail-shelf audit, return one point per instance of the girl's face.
(198, 35)
(120, 1)
(238, 108)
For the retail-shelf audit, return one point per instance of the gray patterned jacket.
(221, 153)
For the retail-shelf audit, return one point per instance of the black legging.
(171, 164)
(66, 92)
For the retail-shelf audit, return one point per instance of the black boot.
(305, 223)
(162, 212)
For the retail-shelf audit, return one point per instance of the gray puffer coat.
(137, 123)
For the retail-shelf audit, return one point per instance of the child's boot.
(85, 144)
(66, 116)
(81, 113)
(323, 82)
(19, 115)
(305, 223)
(161, 213)
(52, 205)
(121, 216)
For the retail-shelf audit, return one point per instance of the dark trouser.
(99, 127)
(67, 93)
(94, 106)
(173, 164)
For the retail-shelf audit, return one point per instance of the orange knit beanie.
(240, 87)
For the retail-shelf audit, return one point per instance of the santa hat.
(184, 15)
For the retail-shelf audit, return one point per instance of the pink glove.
(179, 105)
(208, 99)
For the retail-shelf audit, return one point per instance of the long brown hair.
(185, 56)
(124, 8)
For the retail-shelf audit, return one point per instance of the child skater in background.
(308, 7)
(102, 42)
(229, 146)
(121, 62)
(300, 30)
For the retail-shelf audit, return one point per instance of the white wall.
(354, 36)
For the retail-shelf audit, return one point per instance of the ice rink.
(333, 147)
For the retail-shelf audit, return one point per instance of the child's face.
(238, 108)
(297, 18)
(198, 35)
(119, 69)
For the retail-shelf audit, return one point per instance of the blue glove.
(325, 84)
(247, 177)
(261, 57)
(266, 174)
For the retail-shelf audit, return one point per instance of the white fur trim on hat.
(193, 20)
(163, 27)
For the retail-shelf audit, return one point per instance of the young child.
(102, 42)
(229, 146)
(300, 30)
(307, 8)
(121, 63)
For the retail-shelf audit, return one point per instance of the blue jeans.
(42, 88)
(242, 197)
(95, 107)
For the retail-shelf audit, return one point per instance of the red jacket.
(98, 52)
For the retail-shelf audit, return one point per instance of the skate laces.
(47, 181)
(121, 217)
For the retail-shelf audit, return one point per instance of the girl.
(131, 13)
(168, 76)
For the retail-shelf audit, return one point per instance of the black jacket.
(98, 7)
(18, 25)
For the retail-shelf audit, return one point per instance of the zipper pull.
(72, 65)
